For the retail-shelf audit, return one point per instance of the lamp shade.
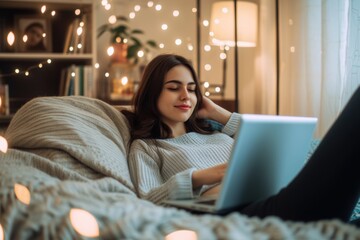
(222, 24)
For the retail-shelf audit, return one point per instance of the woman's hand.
(208, 176)
(211, 110)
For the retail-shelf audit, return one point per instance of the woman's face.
(177, 99)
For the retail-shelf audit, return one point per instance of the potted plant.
(125, 41)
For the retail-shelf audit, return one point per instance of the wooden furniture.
(36, 76)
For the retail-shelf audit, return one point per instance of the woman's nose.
(185, 94)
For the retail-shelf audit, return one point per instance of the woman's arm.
(150, 184)
(211, 110)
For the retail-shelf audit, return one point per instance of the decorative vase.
(120, 53)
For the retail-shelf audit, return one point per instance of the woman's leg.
(329, 184)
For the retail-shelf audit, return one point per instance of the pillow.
(91, 131)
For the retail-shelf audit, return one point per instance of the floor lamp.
(233, 22)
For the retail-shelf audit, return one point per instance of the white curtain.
(319, 57)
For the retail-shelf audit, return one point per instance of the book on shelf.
(74, 38)
(4, 100)
(77, 80)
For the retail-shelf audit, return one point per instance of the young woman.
(175, 154)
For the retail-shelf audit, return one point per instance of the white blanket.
(70, 153)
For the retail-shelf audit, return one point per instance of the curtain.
(319, 57)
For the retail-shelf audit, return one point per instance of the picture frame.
(33, 33)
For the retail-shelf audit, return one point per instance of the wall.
(253, 81)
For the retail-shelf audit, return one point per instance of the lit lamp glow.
(222, 28)
(222, 24)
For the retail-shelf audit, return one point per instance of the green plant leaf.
(122, 18)
(132, 51)
(137, 31)
(152, 43)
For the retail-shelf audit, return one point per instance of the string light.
(27, 71)
(43, 9)
(136, 9)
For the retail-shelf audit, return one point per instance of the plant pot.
(120, 53)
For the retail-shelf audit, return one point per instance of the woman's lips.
(183, 107)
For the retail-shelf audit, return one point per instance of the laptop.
(268, 152)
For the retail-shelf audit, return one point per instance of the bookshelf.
(41, 72)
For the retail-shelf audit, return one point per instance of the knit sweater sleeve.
(144, 166)
(232, 125)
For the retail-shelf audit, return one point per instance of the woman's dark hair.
(145, 118)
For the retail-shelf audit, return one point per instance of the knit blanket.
(65, 176)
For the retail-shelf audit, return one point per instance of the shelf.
(40, 56)
(37, 80)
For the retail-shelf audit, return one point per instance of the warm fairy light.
(158, 7)
(22, 193)
(81, 24)
(97, 65)
(2, 237)
(43, 9)
(10, 38)
(217, 89)
(53, 13)
(222, 56)
(71, 48)
(292, 49)
(40, 65)
(206, 84)
(190, 47)
(207, 93)
(125, 40)
(48, 61)
(27, 73)
(140, 53)
(137, 8)
(17, 70)
(44, 35)
(206, 23)
(132, 15)
(79, 46)
(110, 51)
(112, 19)
(182, 234)
(84, 223)
(150, 3)
(164, 26)
(107, 74)
(194, 10)
(227, 48)
(207, 67)
(73, 74)
(178, 41)
(25, 38)
(108, 6)
(79, 31)
(104, 2)
(77, 12)
(161, 45)
(124, 80)
(207, 48)
(176, 13)
(3, 144)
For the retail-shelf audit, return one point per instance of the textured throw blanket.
(69, 153)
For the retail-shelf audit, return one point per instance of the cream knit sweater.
(162, 168)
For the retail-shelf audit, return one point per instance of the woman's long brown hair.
(145, 119)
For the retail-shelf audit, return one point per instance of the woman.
(175, 154)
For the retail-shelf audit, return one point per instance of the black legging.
(329, 184)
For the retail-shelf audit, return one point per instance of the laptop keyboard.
(207, 202)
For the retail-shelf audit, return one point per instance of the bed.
(65, 176)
